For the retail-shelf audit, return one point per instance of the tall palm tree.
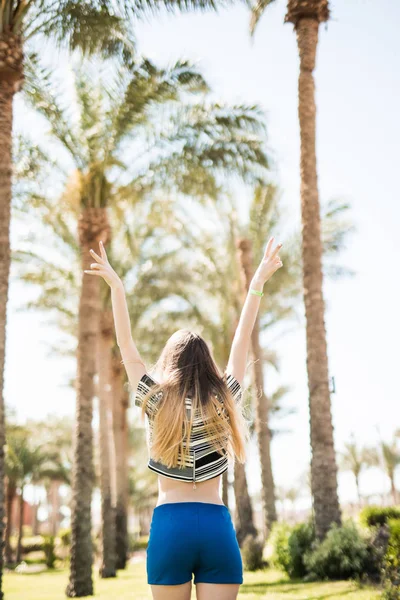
(306, 16)
(355, 459)
(90, 26)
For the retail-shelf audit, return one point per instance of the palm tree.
(27, 462)
(306, 15)
(54, 434)
(90, 26)
(387, 457)
(355, 459)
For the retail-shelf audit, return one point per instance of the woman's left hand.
(102, 267)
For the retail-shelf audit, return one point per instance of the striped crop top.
(205, 462)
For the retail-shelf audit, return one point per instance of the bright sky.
(358, 86)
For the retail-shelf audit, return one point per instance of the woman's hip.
(198, 536)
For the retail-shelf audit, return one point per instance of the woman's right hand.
(269, 264)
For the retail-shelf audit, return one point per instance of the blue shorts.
(192, 537)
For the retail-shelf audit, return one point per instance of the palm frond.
(148, 87)
(257, 10)
(91, 27)
(336, 230)
(144, 8)
(39, 91)
(200, 145)
(263, 218)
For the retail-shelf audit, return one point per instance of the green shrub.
(341, 555)
(49, 551)
(300, 541)
(391, 567)
(372, 516)
(279, 540)
(252, 553)
(377, 544)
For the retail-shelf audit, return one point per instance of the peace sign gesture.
(270, 262)
(102, 267)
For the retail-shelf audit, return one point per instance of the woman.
(195, 422)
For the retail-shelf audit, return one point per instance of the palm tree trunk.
(306, 17)
(92, 227)
(54, 503)
(107, 465)
(244, 522)
(261, 402)
(20, 525)
(10, 80)
(35, 520)
(393, 489)
(120, 425)
(358, 490)
(11, 490)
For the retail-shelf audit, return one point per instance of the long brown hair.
(190, 371)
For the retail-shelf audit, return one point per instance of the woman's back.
(205, 465)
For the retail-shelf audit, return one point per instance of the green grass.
(132, 585)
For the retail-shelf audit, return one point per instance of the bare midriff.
(172, 490)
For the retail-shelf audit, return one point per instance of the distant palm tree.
(387, 457)
(306, 16)
(355, 459)
(28, 462)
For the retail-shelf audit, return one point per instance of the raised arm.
(131, 358)
(241, 341)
